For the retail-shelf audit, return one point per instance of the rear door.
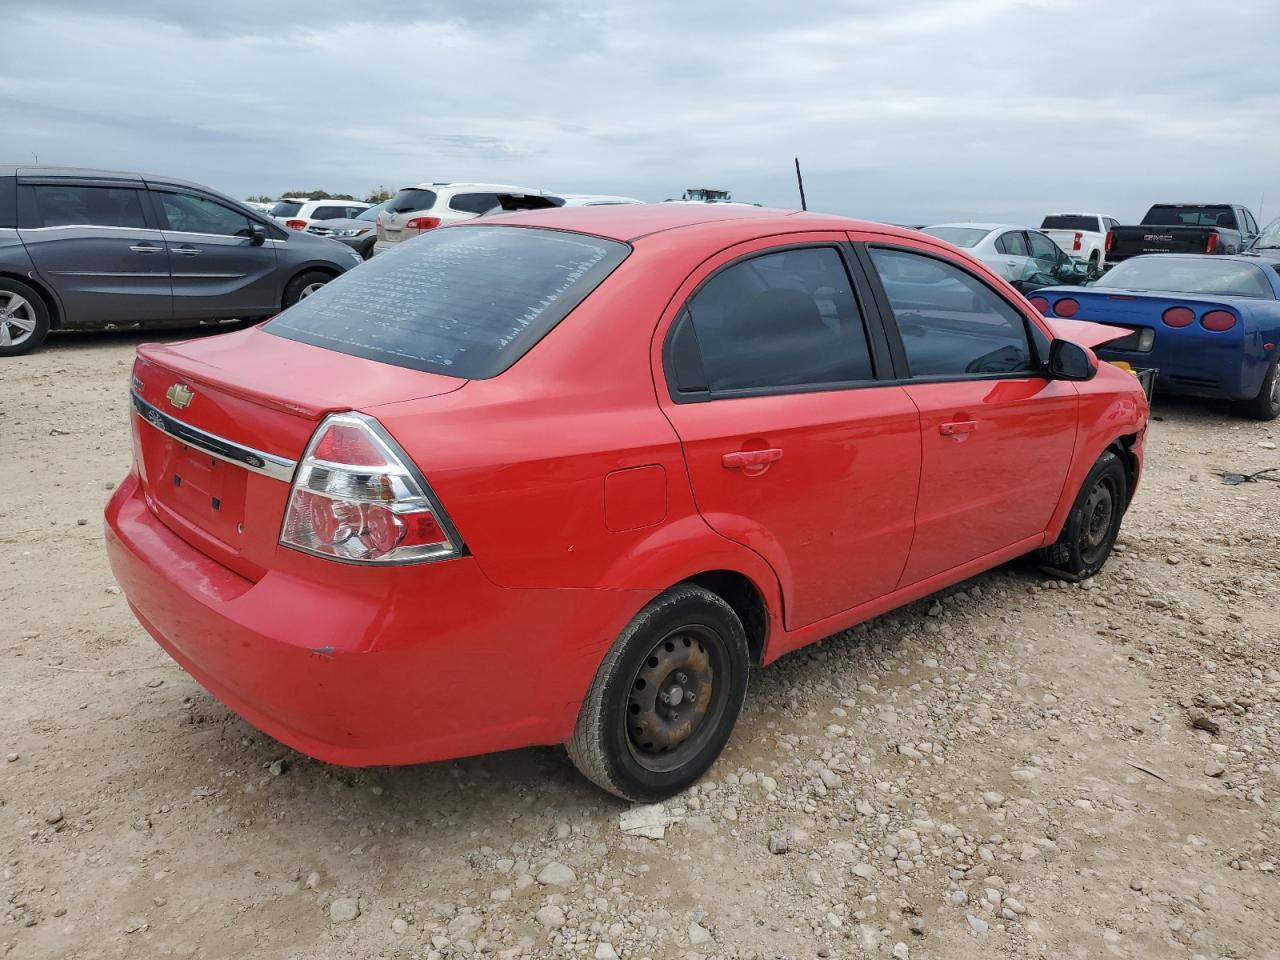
(217, 269)
(95, 243)
(794, 447)
(1013, 255)
(997, 436)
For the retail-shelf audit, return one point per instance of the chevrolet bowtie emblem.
(180, 395)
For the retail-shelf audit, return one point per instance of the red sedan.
(564, 476)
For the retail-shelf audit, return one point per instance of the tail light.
(1178, 317)
(296, 224)
(357, 497)
(1211, 245)
(1066, 307)
(1218, 320)
(1111, 241)
(1075, 244)
(423, 223)
(1041, 304)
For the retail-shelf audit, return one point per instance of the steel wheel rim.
(17, 319)
(676, 697)
(1096, 522)
(309, 289)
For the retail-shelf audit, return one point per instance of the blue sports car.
(1209, 325)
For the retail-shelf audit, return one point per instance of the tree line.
(375, 196)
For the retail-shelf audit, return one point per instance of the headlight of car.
(348, 232)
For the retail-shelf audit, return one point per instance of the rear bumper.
(1195, 372)
(365, 667)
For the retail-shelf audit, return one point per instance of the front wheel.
(1266, 405)
(665, 699)
(1094, 522)
(303, 286)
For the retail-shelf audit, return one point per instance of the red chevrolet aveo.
(564, 476)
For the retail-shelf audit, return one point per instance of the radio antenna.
(800, 184)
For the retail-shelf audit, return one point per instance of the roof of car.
(490, 187)
(90, 173)
(631, 221)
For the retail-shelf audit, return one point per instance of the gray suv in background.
(90, 248)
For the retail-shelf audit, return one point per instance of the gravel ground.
(1016, 768)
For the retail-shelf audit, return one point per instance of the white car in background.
(1027, 258)
(415, 210)
(1082, 236)
(298, 213)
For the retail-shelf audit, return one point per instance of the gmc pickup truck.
(1184, 228)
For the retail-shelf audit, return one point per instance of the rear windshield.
(1183, 274)
(285, 208)
(372, 212)
(1070, 221)
(960, 236)
(463, 301)
(1170, 215)
(412, 198)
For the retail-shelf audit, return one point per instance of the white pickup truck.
(1082, 236)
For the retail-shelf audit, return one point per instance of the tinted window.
(951, 323)
(783, 319)
(1183, 274)
(8, 202)
(189, 213)
(473, 202)
(466, 301)
(330, 213)
(1070, 221)
(1042, 248)
(959, 236)
(1013, 243)
(412, 198)
(285, 208)
(1169, 215)
(72, 205)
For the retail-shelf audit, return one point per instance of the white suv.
(298, 213)
(414, 210)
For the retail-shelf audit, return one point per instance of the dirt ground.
(1009, 770)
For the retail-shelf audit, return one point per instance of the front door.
(218, 271)
(793, 446)
(997, 436)
(92, 243)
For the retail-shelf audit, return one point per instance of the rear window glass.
(1070, 221)
(1190, 216)
(463, 301)
(412, 198)
(1182, 274)
(960, 236)
(285, 209)
(474, 202)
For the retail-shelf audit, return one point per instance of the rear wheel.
(24, 318)
(1094, 522)
(1266, 405)
(303, 285)
(666, 697)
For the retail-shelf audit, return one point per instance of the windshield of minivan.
(466, 301)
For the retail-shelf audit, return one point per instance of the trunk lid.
(1133, 241)
(219, 423)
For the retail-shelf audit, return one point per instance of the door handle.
(186, 251)
(752, 463)
(958, 428)
(145, 248)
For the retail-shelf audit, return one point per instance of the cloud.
(921, 110)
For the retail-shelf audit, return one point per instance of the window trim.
(889, 321)
(878, 345)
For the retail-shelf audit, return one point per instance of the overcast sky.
(910, 111)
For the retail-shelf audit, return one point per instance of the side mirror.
(1070, 361)
(257, 234)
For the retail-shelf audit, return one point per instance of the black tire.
(631, 739)
(302, 285)
(1266, 405)
(1091, 528)
(24, 318)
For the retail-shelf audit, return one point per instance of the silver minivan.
(92, 248)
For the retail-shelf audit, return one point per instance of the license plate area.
(206, 492)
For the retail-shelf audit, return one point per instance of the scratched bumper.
(426, 663)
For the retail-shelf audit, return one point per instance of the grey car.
(359, 233)
(91, 248)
